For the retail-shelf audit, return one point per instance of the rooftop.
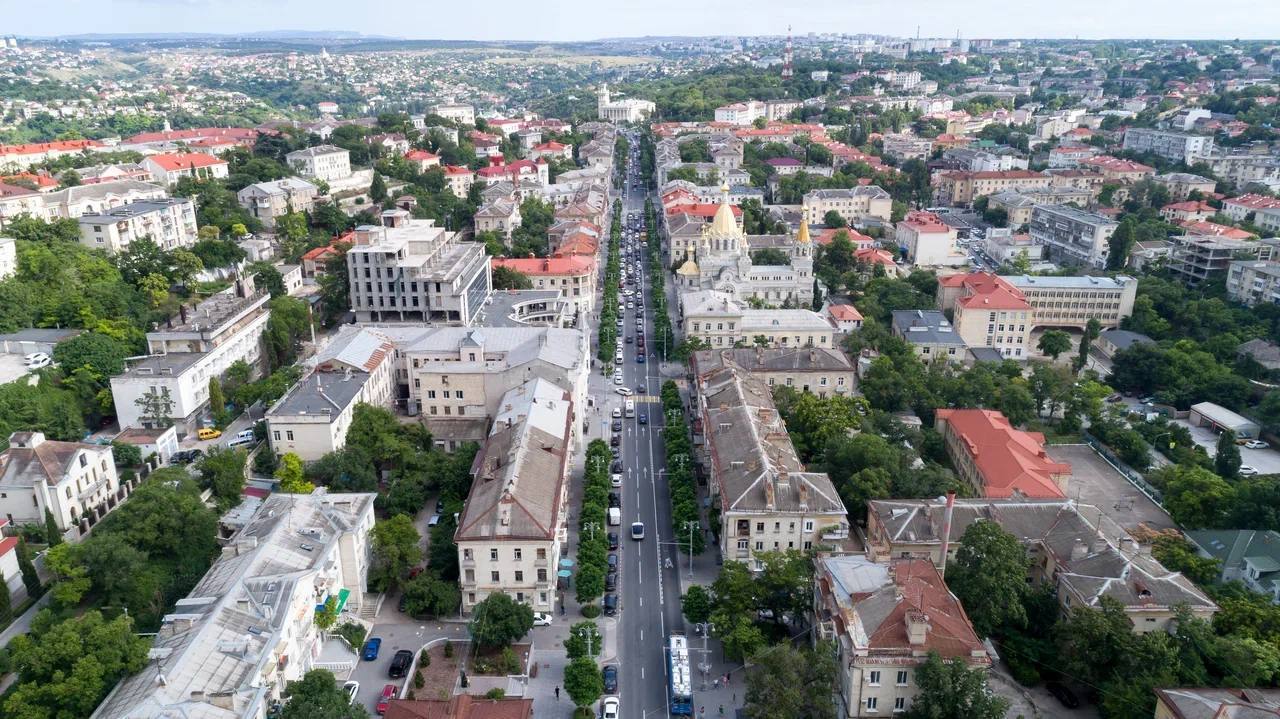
(1010, 462)
(134, 209)
(925, 327)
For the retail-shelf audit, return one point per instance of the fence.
(1132, 475)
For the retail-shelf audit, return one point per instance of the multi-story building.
(1244, 167)
(230, 649)
(74, 482)
(1181, 184)
(8, 257)
(1115, 169)
(1210, 703)
(962, 187)
(907, 147)
(997, 460)
(16, 158)
(459, 180)
(626, 110)
(1197, 258)
(1071, 302)
(930, 334)
(988, 312)
(1075, 548)
(854, 204)
(514, 523)
(721, 321)
(98, 199)
(459, 113)
(886, 619)
(501, 215)
(269, 200)
(822, 372)
(170, 384)
(766, 499)
(170, 223)
(1187, 211)
(741, 113)
(1240, 208)
(411, 269)
(1249, 556)
(1019, 203)
(1174, 146)
(1071, 235)
(929, 241)
(323, 162)
(312, 418)
(1251, 281)
(168, 169)
(574, 276)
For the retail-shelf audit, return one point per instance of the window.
(471, 576)
(902, 677)
(900, 704)
(759, 526)
(542, 575)
(458, 394)
(519, 576)
(494, 576)
(431, 394)
(493, 554)
(446, 394)
(288, 434)
(471, 597)
(542, 553)
(277, 435)
(871, 704)
(873, 678)
(759, 545)
(519, 554)
(466, 553)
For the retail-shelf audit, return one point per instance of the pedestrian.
(557, 693)
(727, 676)
(721, 710)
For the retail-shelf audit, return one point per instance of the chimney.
(1099, 544)
(946, 529)
(917, 627)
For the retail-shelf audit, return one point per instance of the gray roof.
(132, 209)
(37, 334)
(1208, 703)
(32, 459)
(1233, 546)
(925, 327)
(1263, 352)
(1055, 281)
(1124, 339)
(322, 393)
(872, 191)
(761, 359)
(163, 365)
(99, 191)
(315, 151)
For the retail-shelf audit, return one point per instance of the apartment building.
(961, 188)
(1210, 703)
(16, 201)
(514, 525)
(1181, 184)
(1251, 282)
(268, 200)
(1173, 146)
(8, 257)
(323, 162)
(312, 418)
(886, 619)
(741, 113)
(459, 180)
(573, 276)
(853, 204)
(501, 215)
(720, 321)
(1197, 258)
(167, 169)
(1239, 209)
(907, 147)
(170, 384)
(1019, 203)
(929, 241)
(1244, 167)
(1074, 548)
(1249, 556)
(930, 334)
(1115, 169)
(766, 499)
(97, 199)
(75, 482)
(459, 113)
(411, 269)
(997, 460)
(1187, 211)
(16, 158)
(821, 372)
(170, 223)
(987, 311)
(1070, 302)
(1072, 236)
(230, 648)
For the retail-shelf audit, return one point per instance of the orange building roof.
(535, 266)
(184, 160)
(1010, 462)
(844, 313)
(987, 291)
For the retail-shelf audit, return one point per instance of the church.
(625, 110)
(721, 260)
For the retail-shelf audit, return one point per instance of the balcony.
(92, 489)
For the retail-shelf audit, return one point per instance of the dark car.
(615, 439)
(613, 563)
(610, 605)
(1062, 694)
(439, 506)
(610, 582)
(617, 425)
(615, 500)
(616, 466)
(610, 673)
(613, 541)
(400, 664)
(644, 419)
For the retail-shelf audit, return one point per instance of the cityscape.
(846, 364)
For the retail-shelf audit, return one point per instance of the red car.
(388, 693)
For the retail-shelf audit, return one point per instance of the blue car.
(371, 648)
(640, 359)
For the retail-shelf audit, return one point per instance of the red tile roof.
(874, 256)
(844, 313)
(1010, 462)
(1115, 164)
(233, 135)
(457, 170)
(984, 290)
(702, 209)
(420, 155)
(184, 160)
(41, 147)
(922, 221)
(826, 235)
(535, 266)
(1254, 202)
(1213, 229)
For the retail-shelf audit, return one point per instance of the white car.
(1256, 444)
(616, 480)
(617, 378)
(37, 360)
(351, 689)
(610, 708)
(624, 391)
(541, 620)
(1247, 471)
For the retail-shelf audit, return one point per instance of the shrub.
(495, 693)
(418, 681)
(448, 650)
(590, 611)
(352, 632)
(424, 658)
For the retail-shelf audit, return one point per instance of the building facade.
(1175, 146)
(573, 276)
(853, 205)
(170, 223)
(268, 200)
(1072, 236)
(76, 483)
(323, 162)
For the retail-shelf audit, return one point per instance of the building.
(930, 334)
(1197, 258)
(961, 188)
(721, 321)
(1187, 211)
(854, 205)
(501, 215)
(16, 201)
(574, 276)
(459, 180)
(1074, 548)
(411, 269)
(16, 158)
(159, 443)
(1113, 341)
(247, 629)
(10, 570)
(1019, 203)
(1070, 302)
(460, 113)
(846, 318)
(822, 372)
(987, 311)
(886, 619)
(1004, 246)
(1181, 184)
(1239, 209)
(625, 110)
(907, 147)
(74, 482)
(170, 223)
(1245, 555)
(1115, 169)
(1174, 146)
(514, 524)
(8, 257)
(1210, 703)
(929, 241)
(323, 162)
(766, 499)
(168, 169)
(996, 459)
(741, 113)
(268, 200)
(461, 706)
(312, 418)
(98, 199)
(1252, 282)
(1072, 236)
(1220, 419)
(170, 384)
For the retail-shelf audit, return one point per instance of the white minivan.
(242, 438)
(631, 408)
(615, 516)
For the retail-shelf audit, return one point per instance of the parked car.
(439, 506)
(613, 562)
(1256, 444)
(610, 674)
(610, 708)
(616, 480)
(351, 689)
(615, 466)
(1064, 695)
(615, 500)
(371, 648)
(1247, 471)
(613, 541)
(541, 620)
(610, 582)
(617, 425)
(206, 433)
(400, 664)
(610, 605)
(384, 700)
(37, 360)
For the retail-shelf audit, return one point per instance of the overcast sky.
(590, 19)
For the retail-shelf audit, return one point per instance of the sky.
(568, 20)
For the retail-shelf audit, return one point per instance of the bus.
(680, 678)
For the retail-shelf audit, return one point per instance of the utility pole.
(705, 628)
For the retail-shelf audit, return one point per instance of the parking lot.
(1095, 482)
(1266, 461)
(11, 368)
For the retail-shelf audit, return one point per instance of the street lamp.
(591, 527)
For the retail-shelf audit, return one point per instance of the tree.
(1195, 497)
(834, 220)
(222, 472)
(1226, 461)
(102, 354)
(267, 277)
(52, 534)
(1054, 343)
(30, 578)
(318, 694)
(217, 402)
(506, 278)
(289, 473)
(395, 548)
(426, 595)
(789, 682)
(1092, 329)
(583, 641)
(582, 681)
(124, 454)
(184, 266)
(1119, 245)
(590, 580)
(951, 690)
(499, 620)
(696, 604)
(6, 604)
(989, 576)
(378, 188)
(155, 408)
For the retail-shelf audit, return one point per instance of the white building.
(741, 113)
(312, 418)
(75, 482)
(907, 147)
(99, 199)
(168, 169)
(170, 223)
(323, 162)
(1175, 146)
(853, 204)
(627, 110)
(247, 629)
(1071, 235)
(929, 241)
(269, 200)
(461, 114)
(514, 522)
(719, 320)
(8, 257)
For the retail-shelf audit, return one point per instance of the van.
(208, 433)
(631, 408)
(242, 438)
(615, 516)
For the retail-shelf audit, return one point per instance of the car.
(630, 339)
(617, 413)
(613, 563)
(610, 674)
(617, 378)
(613, 540)
(615, 440)
(435, 519)
(384, 700)
(439, 506)
(205, 433)
(615, 466)
(610, 582)
(351, 689)
(541, 620)
(1064, 695)
(371, 648)
(616, 480)
(624, 391)
(1147, 400)
(610, 605)
(611, 708)
(615, 499)
(37, 360)
(1115, 398)
(640, 359)
(617, 425)
(186, 456)
(403, 605)
(400, 664)
(637, 530)
(643, 419)
(1256, 444)
(640, 389)
(631, 305)
(1247, 471)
